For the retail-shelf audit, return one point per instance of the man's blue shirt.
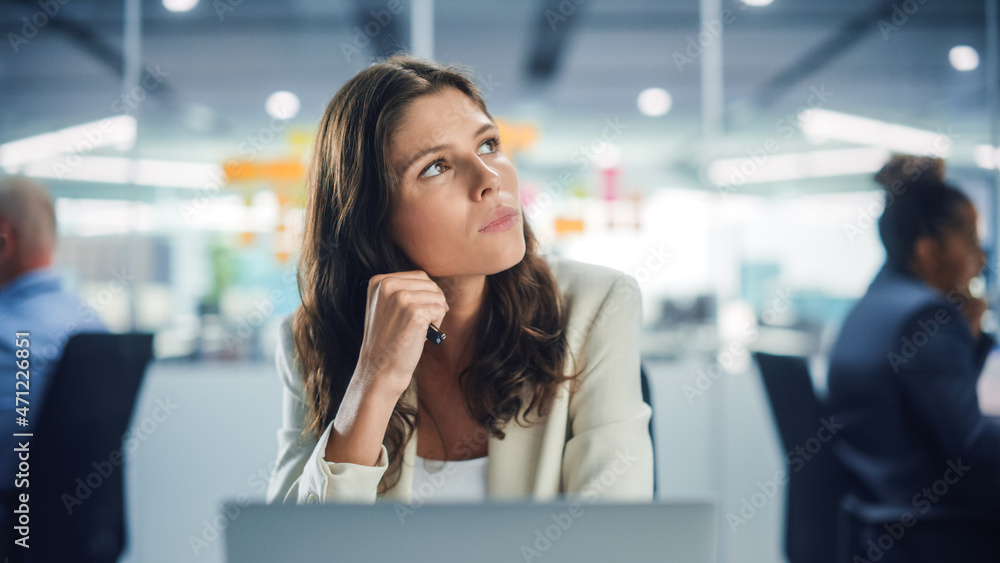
(34, 303)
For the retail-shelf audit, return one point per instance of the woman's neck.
(465, 296)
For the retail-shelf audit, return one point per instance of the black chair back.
(905, 534)
(647, 398)
(815, 478)
(76, 492)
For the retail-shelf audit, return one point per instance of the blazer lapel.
(511, 462)
(517, 467)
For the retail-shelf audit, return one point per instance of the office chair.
(816, 486)
(647, 397)
(906, 534)
(76, 488)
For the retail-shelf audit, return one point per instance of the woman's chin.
(500, 263)
(513, 259)
(489, 262)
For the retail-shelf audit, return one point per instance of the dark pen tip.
(434, 334)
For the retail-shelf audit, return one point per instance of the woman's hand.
(400, 307)
(972, 308)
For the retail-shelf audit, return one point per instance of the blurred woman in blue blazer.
(903, 374)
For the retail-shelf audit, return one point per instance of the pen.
(434, 334)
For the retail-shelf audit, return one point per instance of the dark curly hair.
(918, 203)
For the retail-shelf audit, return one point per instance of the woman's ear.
(6, 237)
(925, 256)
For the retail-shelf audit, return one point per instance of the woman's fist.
(400, 306)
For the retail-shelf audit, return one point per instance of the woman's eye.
(491, 146)
(433, 170)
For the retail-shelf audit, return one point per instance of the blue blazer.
(902, 381)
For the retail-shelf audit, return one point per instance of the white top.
(450, 481)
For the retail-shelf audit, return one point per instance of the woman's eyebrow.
(486, 127)
(421, 153)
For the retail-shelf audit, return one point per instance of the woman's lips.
(502, 224)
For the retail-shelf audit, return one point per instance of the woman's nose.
(485, 179)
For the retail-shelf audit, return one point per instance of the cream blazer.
(595, 441)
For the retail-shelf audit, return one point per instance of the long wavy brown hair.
(520, 347)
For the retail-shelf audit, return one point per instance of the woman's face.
(957, 257)
(457, 210)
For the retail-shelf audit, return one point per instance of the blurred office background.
(719, 151)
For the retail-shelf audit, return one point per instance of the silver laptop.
(550, 532)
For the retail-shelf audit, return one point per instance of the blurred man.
(32, 302)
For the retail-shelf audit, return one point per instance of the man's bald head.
(27, 227)
(26, 207)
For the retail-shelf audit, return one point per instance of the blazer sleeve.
(939, 381)
(983, 346)
(300, 474)
(609, 455)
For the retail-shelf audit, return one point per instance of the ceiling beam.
(384, 30)
(93, 42)
(555, 19)
(846, 36)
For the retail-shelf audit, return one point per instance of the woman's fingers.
(400, 307)
(402, 280)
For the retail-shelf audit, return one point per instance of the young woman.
(414, 220)
(903, 373)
